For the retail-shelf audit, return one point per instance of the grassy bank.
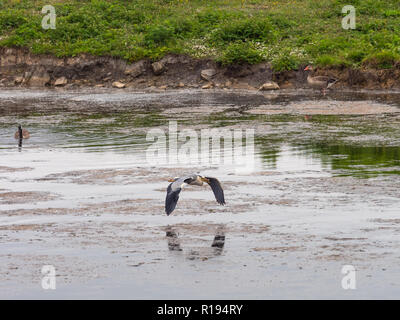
(286, 33)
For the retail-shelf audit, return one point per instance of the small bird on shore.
(319, 82)
(177, 184)
(21, 133)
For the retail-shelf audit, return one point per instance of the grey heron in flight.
(177, 184)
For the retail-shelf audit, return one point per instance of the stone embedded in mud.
(61, 82)
(269, 85)
(135, 70)
(207, 86)
(158, 68)
(242, 86)
(208, 74)
(39, 78)
(118, 84)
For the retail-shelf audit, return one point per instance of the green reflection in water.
(360, 161)
(269, 149)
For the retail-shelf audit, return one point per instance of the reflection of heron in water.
(173, 242)
(216, 248)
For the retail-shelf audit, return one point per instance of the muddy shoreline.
(174, 102)
(20, 68)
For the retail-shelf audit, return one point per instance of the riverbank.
(195, 44)
(21, 68)
(284, 33)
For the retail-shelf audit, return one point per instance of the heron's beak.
(307, 68)
(171, 180)
(204, 180)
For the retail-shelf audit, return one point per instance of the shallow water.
(319, 191)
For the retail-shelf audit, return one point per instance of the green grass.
(286, 33)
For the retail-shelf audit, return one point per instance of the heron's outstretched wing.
(172, 199)
(217, 189)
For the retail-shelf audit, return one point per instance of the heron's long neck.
(20, 132)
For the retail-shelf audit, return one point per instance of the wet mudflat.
(82, 194)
